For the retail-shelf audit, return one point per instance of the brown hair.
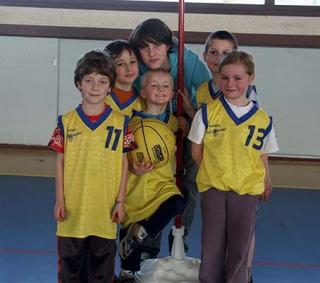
(95, 61)
(221, 35)
(238, 57)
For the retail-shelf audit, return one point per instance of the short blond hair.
(146, 76)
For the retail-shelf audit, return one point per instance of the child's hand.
(141, 168)
(183, 125)
(187, 105)
(118, 212)
(59, 211)
(267, 190)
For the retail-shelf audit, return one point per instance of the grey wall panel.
(34, 89)
(28, 89)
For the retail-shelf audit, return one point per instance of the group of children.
(225, 157)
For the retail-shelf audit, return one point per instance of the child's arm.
(183, 125)
(187, 105)
(59, 208)
(197, 153)
(119, 209)
(267, 180)
(196, 136)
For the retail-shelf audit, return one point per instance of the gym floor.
(288, 233)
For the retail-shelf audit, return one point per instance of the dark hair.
(116, 47)
(95, 61)
(222, 35)
(238, 57)
(152, 31)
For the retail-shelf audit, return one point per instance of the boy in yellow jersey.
(124, 97)
(153, 198)
(91, 175)
(218, 44)
(231, 139)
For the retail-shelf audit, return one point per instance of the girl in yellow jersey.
(153, 198)
(124, 97)
(91, 175)
(231, 138)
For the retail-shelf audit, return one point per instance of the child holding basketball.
(218, 44)
(153, 198)
(231, 139)
(157, 48)
(124, 97)
(91, 174)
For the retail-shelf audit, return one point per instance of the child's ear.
(252, 78)
(142, 94)
(79, 86)
(204, 56)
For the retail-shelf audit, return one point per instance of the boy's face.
(94, 88)
(157, 88)
(127, 68)
(234, 82)
(155, 56)
(217, 49)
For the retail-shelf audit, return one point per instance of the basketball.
(156, 142)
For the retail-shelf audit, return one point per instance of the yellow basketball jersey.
(232, 149)
(92, 172)
(134, 103)
(147, 192)
(206, 94)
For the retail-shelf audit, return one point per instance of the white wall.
(28, 89)
(34, 89)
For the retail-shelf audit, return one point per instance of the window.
(254, 2)
(298, 2)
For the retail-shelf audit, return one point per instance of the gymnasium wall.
(37, 72)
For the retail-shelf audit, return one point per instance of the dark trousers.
(228, 221)
(153, 225)
(90, 259)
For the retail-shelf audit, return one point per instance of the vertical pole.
(179, 174)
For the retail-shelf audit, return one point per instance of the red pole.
(179, 164)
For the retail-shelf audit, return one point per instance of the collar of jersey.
(128, 102)
(233, 116)
(96, 124)
(163, 117)
(213, 94)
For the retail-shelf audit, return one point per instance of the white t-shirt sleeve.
(270, 144)
(198, 129)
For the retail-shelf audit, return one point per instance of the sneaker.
(126, 276)
(133, 239)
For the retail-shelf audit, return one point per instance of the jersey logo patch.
(72, 133)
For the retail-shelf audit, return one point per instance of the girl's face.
(94, 88)
(155, 56)
(127, 69)
(217, 49)
(234, 83)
